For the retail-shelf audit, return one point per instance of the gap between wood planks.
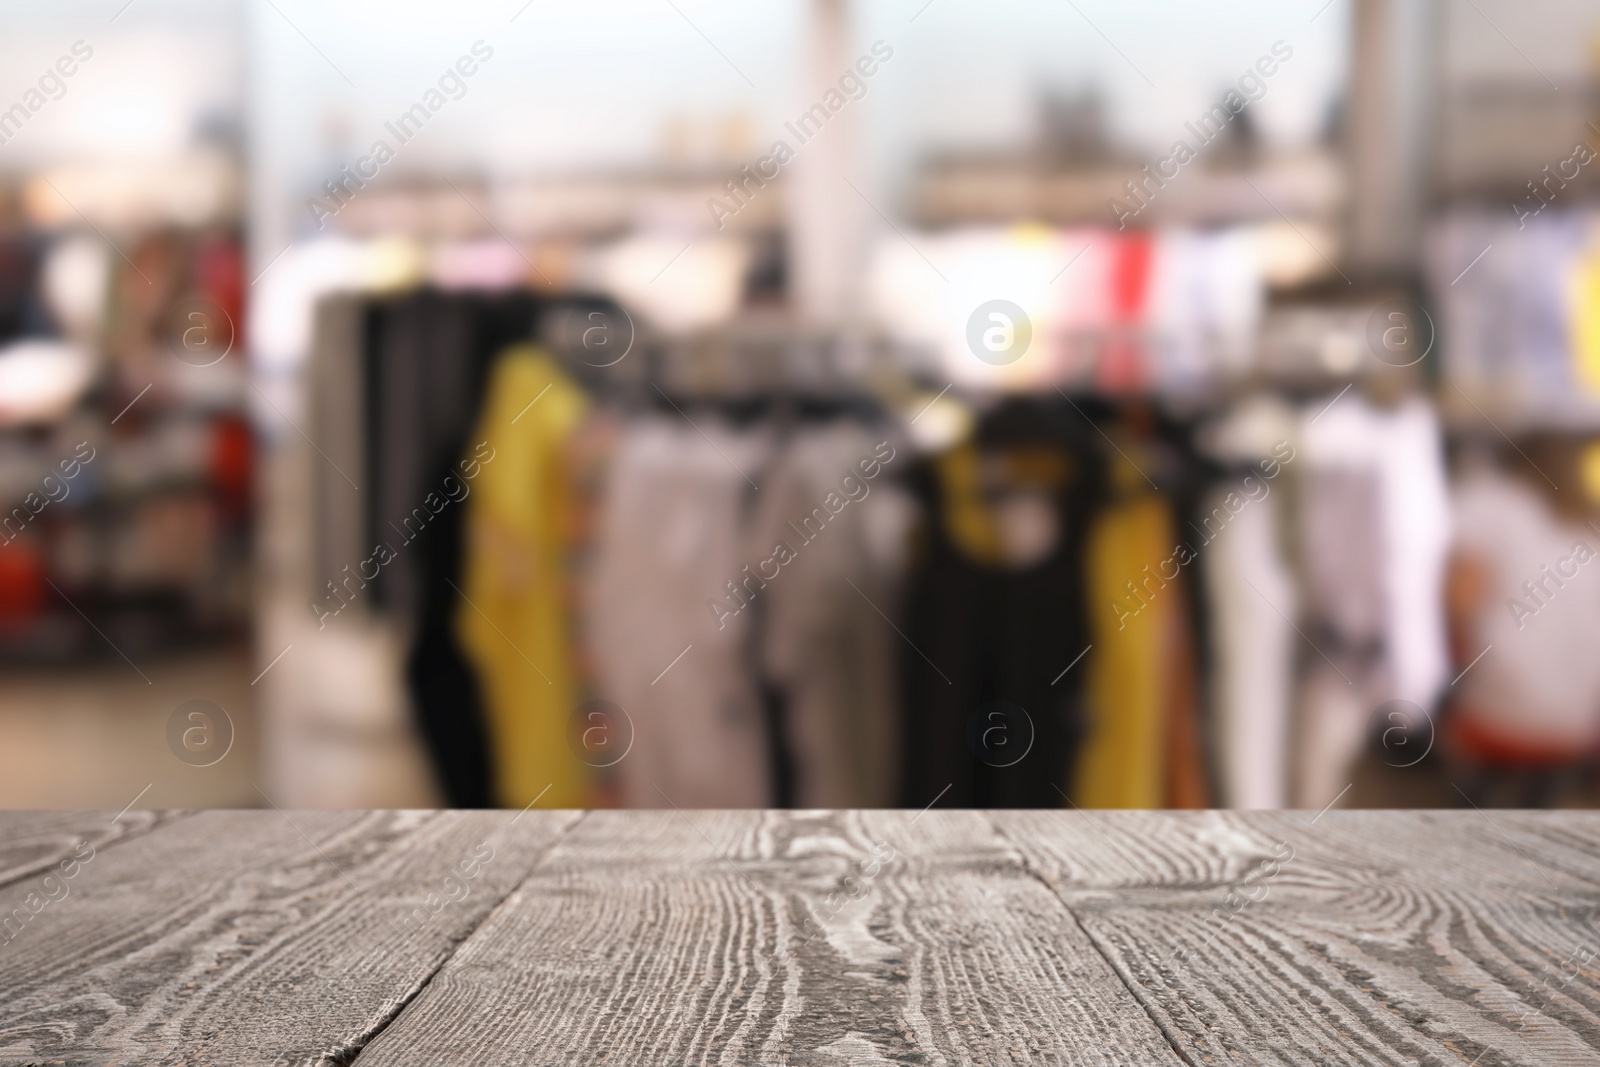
(347, 1054)
(1126, 980)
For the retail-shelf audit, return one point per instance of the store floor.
(96, 736)
(101, 736)
(1440, 782)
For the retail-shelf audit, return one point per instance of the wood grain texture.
(826, 938)
(251, 938)
(690, 938)
(1357, 938)
(33, 843)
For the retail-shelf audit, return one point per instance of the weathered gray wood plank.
(1145, 849)
(1362, 937)
(244, 938)
(825, 938)
(668, 937)
(33, 843)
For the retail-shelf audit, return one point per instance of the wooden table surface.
(245, 938)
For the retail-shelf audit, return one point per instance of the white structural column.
(827, 218)
(1393, 72)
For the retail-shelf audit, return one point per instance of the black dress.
(986, 708)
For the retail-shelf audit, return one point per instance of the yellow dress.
(1583, 314)
(513, 622)
(1122, 764)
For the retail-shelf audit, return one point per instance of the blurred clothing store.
(815, 404)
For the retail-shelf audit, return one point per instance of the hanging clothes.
(1207, 294)
(994, 614)
(399, 382)
(671, 544)
(1142, 749)
(1400, 450)
(426, 380)
(513, 619)
(1251, 596)
(1124, 364)
(1518, 327)
(446, 693)
(1536, 695)
(1583, 313)
(1345, 607)
(1188, 786)
(1121, 764)
(21, 305)
(824, 647)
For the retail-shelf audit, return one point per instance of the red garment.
(22, 585)
(219, 275)
(1122, 364)
(230, 466)
(1468, 736)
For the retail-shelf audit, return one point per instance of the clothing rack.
(716, 439)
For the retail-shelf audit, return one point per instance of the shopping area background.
(812, 403)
